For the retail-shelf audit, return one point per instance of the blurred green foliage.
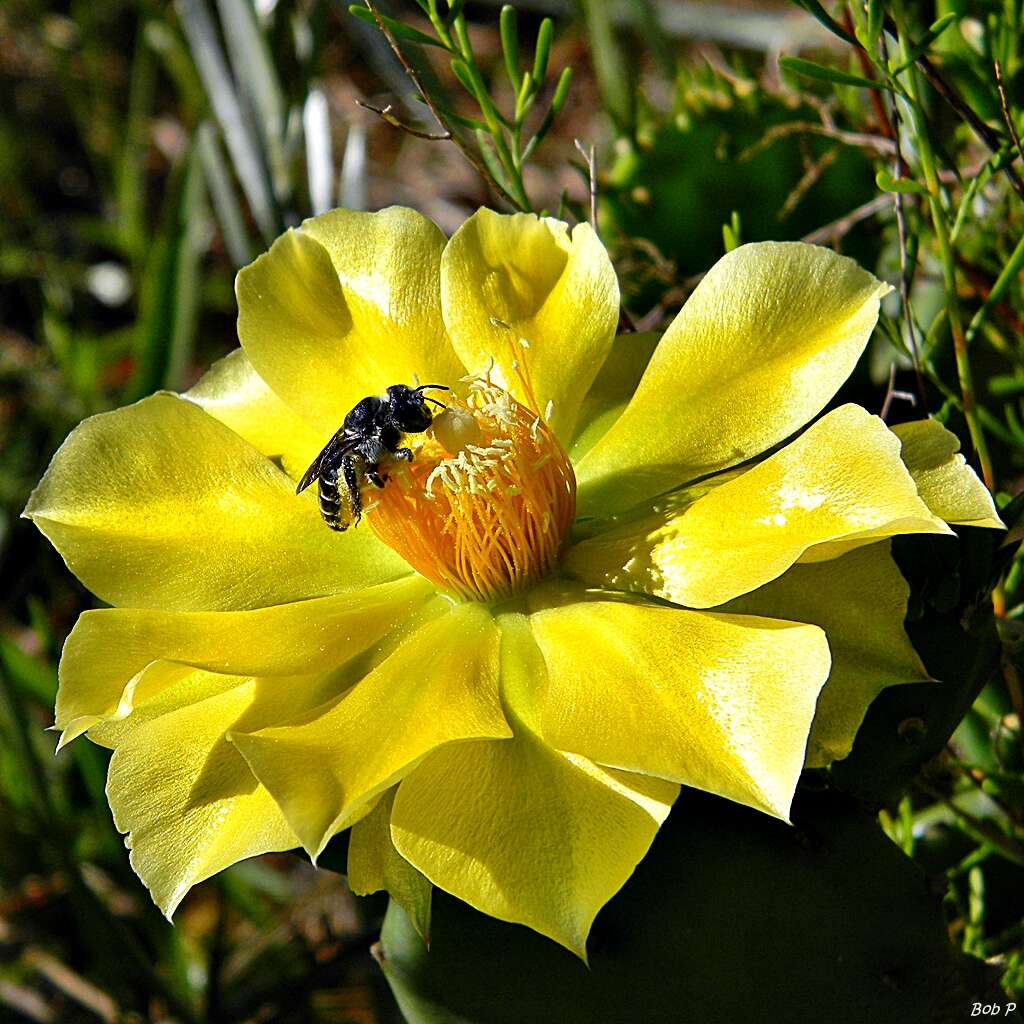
(147, 151)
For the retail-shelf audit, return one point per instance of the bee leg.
(376, 478)
(403, 453)
(348, 469)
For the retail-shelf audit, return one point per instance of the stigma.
(485, 505)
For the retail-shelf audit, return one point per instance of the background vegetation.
(147, 151)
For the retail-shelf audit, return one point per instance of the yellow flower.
(512, 720)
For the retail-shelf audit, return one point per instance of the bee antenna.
(434, 401)
(432, 387)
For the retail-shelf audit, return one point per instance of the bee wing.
(338, 445)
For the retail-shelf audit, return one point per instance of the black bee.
(371, 433)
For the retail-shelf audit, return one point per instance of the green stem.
(976, 184)
(481, 166)
(946, 256)
(493, 118)
(1009, 273)
(440, 28)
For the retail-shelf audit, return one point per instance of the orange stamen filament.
(483, 509)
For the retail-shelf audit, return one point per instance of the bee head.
(408, 406)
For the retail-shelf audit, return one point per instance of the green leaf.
(398, 28)
(465, 76)
(169, 300)
(616, 72)
(808, 69)
(542, 52)
(561, 91)
(250, 161)
(815, 10)
(486, 143)
(524, 100)
(255, 72)
(887, 183)
(450, 115)
(876, 18)
(510, 44)
(919, 48)
(170, 47)
(731, 232)
(864, 38)
(222, 192)
(557, 102)
(1007, 276)
(1004, 384)
(131, 172)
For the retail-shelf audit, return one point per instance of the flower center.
(487, 501)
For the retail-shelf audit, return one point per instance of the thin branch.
(899, 200)
(807, 181)
(892, 393)
(953, 98)
(983, 289)
(982, 130)
(715, 60)
(868, 70)
(589, 154)
(590, 159)
(1012, 679)
(842, 226)
(1007, 276)
(864, 140)
(384, 113)
(1005, 108)
(965, 374)
(1008, 846)
(976, 777)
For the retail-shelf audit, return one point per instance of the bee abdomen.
(330, 502)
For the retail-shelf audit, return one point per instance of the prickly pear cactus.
(731, 916)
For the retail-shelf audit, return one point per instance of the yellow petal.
(104, 657)
(527, 834)
(441, 685)
(166, 687)
(375, 864)
(187, 799)
(343, 307)
(160, 506)
(948, 486)
(161, 687)
(523, 832)
(860, 600)
(759, 348)
(841, 480)
(720, 702)
(612, 388)
(524, 292)
(234, 393)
